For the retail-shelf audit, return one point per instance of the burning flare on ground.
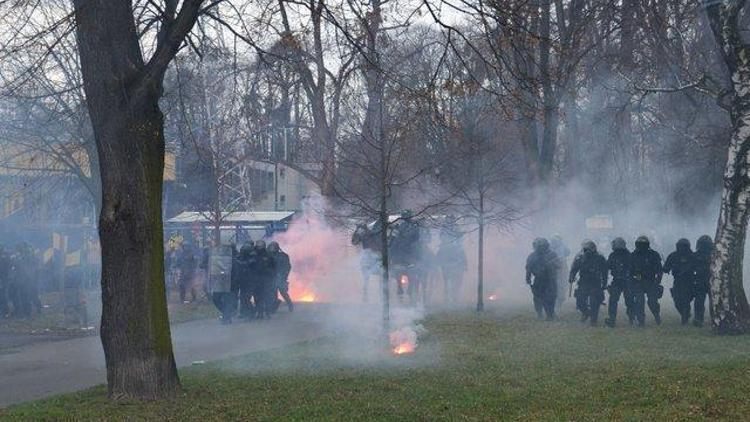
(403, 341)
(300, 292)
(492, 298)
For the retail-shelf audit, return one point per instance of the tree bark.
(731, 313)
(122, 93)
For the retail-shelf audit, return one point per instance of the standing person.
(24, 285)
(264, 272)
(452, 259)
(283, 267)
(4, 282)
(682, 264)
(618, 264)
(221, 279)
(645, 276)
(187, 263)
(541, 272)
(243, 280)
(704, 247)
(404, 245)
(369, 259)
(591, 267)
(562, 252)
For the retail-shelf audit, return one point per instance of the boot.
(657, 319)
(609, 322)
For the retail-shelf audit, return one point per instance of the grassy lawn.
(466, 367)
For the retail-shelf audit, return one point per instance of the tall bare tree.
(731, 313)
(123, 88)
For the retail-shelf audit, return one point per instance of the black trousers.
(699, 303)
(226, 303)
(682, 295)
(645, 293)
(616, 290)
(589, 299)
(545, 294)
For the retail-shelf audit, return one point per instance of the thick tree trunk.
(135, 325)
(731, 313)
(122, 94)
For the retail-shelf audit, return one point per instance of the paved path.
(45, 369)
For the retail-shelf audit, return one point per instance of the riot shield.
(220, 269)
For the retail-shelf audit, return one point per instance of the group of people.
(253, 277)
(635, 276)
(412, 261)
(19, 289)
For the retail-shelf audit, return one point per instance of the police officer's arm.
(604, 271)
(574, 269)
(659, 269)
(668, 264)
(528, 269)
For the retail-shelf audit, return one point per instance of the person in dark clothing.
(283, 268)
(243, 280)
(24, 279)
(618, 264)
(645, 277)
(4, 282)
(704, 247)
(541, 272)
(682, 264)
(264, 274)
(187, 264)
(223, 281)
(404, 245)
(591, 267)
(368, 238)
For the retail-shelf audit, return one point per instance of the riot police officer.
(283, 268)
(681, 263)
(645, 277)
(618, 264)
(591, 267)
(704, 247)
(541, 272)
(242, 280)
(264, 274)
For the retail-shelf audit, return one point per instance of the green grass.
(493, 367)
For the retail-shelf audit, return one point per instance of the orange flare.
(403, 348)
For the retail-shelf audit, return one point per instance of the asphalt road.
(44, 369)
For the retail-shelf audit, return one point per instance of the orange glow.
(307, 297)
(403, 349)
(492, 297)
(301, 292)
(403, 280)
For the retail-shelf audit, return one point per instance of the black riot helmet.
(619, 243)
(260, 245)
(588, 246)
(683, 245)
(273, 247)
(704, 244)
(246, 250)
(540, 244)
(642, 243)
